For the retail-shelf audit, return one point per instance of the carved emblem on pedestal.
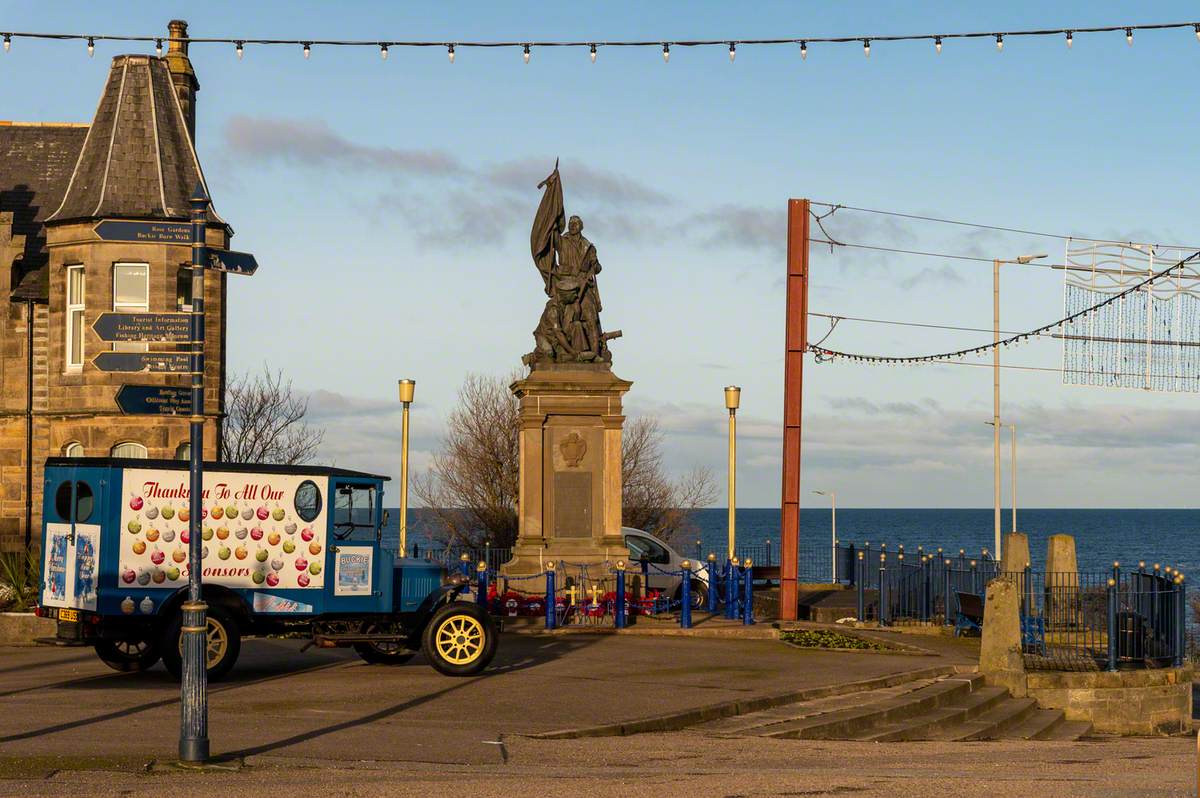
(573, 448)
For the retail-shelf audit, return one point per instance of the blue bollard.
(685, 597)
(731, 592)
(1112, 624)
(481, 585)
(551, 596)
(1181, 623)
(712, 584)
(861, 584)
(947, 620)
(883, 591)
(619, 604)
(748, 595)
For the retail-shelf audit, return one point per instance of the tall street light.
(1023, 259)
(733, 397)
(407, 388)
(1012, 429)
(833, 518)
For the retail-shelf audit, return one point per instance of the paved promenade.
(323, 719)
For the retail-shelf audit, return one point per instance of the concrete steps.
(947, 708)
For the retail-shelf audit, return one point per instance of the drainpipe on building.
(28, 424)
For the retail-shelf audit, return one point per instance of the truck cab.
(283, 549)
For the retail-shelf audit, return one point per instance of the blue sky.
(389, 205)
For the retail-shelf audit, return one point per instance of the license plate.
(68, 615)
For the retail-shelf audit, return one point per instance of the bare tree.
(264, 421)
(472, 486)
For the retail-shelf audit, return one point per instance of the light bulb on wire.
(937, 44)
(803, 51)
(867, 48)
(666, 53)
(999, 42)
(240, 49)
(450, 52)
(732, 52)
(383, 52)
(1129, 36)
(307, 49)
(593, 53)
(525, 55)
(1070, 40)
(7, 42)
(1197, 29)
(91, 47)
(158, 47)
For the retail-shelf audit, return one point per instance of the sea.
(1167, 537)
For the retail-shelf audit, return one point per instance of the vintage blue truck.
(286, 549)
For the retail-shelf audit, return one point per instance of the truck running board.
(334, 640)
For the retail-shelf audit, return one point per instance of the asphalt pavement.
(323, 722)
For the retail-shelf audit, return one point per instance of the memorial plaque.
(573, 504)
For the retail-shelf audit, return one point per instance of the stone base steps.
(946, 708)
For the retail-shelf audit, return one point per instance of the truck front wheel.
(128, 655)
(460, 639)
(223, 643)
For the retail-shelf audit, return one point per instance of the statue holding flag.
(569, 329)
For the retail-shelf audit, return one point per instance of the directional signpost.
(143, 327)
(153, 362)
(154, 400)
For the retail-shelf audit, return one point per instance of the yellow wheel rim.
(216, 641)
(459, 639)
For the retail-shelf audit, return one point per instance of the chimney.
(183, 77)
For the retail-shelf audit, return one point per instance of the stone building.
(135, 161)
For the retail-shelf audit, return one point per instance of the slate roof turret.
(138, 160)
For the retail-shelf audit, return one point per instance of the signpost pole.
(193, 722)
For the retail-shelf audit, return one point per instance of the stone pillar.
(1062, 582)
(1016, 552)
(569, 496)
(1000, 659)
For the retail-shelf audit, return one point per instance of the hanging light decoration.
(804, 50)
(158, 47)
(732, 52)
(1197, 29)
(450, 52)
(1129, 36)
(383, 51)
(526, 54)
(307, 49)
(240, 49)
(666, 53)
(999, 42)
(867, 48)
(91, 47)
(1070, 39)
(592, 53)
(937, 44)
(7, 42)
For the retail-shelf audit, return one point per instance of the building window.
(183, 451)
(183, 289)
(73, 449)
(131, 294)
(75, 288)
(130, 449)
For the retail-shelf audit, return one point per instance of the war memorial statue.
(569, 329)
(569, 510)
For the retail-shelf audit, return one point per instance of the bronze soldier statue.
(569, 329)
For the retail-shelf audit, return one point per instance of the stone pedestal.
(569, 504)
(1016, 553)
(1062, 605)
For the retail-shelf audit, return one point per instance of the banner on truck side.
(71, 560)
(352, 571)
(255, 531)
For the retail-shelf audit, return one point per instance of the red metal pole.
(793, 391)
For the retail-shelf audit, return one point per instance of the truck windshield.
(354, 512)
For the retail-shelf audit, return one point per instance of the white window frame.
(184, 451)
(78, 306)
(73, 449)
(131, 307)
(142, 455)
